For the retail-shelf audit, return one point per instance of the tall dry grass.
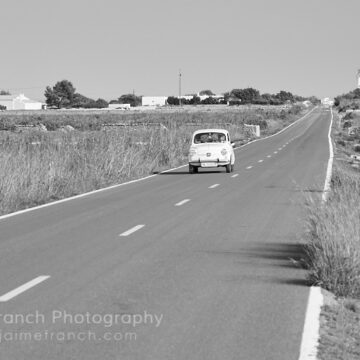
(333, 234)
(48, 166)
(38, 167)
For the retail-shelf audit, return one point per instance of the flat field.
(50, 155)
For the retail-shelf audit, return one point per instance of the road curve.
(201, 263)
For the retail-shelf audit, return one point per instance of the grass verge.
(333, 236)
(339, 329)
(332, 252)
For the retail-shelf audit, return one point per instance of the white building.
(19, 102)
(119, 106)
(217, 97)
(153, 100)
(327, 101)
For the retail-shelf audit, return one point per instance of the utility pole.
(180, 87)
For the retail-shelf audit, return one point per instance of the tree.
(195, 100)
(284, 96)
(4, 92)
(356, 93)
(131, 99)
(173, 100)
(247, 96)
(209, 101)
(101, 104)
(61, 95)
(81, 101)
(206, 92)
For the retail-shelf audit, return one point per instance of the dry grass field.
(42, 166)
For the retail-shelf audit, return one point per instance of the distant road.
(202, 261)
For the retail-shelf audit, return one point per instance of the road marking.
(269, 156)
(275, 152)
(182, 202)
(132, 230)
(213, 186)
(260, 161)
(235, 175)
(279, 149)
(249, 167)
(11, 294)
(327, 184)
(311, 331)
(310, 336)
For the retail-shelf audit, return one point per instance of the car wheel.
(228, 168)
(191, 169)
(196, 169)
(232, 168)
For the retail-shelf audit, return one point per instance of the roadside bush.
(340, 142)
(333, 237)
(357, 147)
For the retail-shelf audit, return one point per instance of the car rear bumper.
(209, 163)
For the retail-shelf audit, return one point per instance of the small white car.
(211, 148)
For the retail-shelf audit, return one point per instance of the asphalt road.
(207, 278)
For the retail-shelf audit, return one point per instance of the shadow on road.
(287, 256)
(279, 263)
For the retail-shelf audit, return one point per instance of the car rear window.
(208, 137)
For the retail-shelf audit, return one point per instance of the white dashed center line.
(235, 175)
(182, 202)
(260, 161)
(132, 230)
(279, 149)
(249, 167)
(275, 152)
(213, 186)
(11, 294)
(269, 156)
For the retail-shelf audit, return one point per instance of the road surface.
(177, 266)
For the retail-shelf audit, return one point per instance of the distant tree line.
(350, 100)
(195, 100)
(63, 95)
(241, 97)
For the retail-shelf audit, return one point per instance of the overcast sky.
(111, 47)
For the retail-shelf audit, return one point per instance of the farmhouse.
(153, 100)
(19, 102)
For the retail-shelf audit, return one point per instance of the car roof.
(210, 130)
